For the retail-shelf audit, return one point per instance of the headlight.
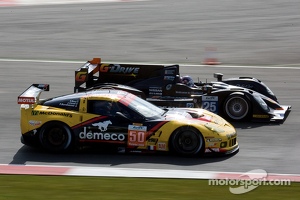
(223, 144)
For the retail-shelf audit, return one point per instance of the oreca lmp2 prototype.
(118, 119)
(236, 99)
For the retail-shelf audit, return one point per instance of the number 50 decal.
(210, 103)
(137, 135)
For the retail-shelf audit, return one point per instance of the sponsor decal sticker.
(115, 68)
(101, 136)
(71, 103)
(261, 116)
(190, 105)
(161, 146)
(169, 78)
(35, 112)
(152, 147)
(170, 72)
(43, 86)
(28, 100)
(245, 85)
(35, 123)
(211, 144)
(208, 150)
(155, 91)
(213, 140)
(210, 103)
(182, 92)
(169, 87)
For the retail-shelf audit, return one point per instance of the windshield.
(144, 108)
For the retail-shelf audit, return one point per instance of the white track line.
(283, 66)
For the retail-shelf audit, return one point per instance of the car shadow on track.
(89, 157)
(257, 124)
(252, 125)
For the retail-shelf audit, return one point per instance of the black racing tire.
(56, 137)
(237, 107)
(187, 141)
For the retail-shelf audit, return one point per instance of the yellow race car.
(122, 121)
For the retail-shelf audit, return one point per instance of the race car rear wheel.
(187, 141)
(56, 137)
(237, 107)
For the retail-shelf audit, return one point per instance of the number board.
(137, 135)
(210, 103)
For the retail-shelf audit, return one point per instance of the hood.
(199, 115)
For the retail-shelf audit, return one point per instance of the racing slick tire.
(187, 141)
(56, 137)
(237, 107)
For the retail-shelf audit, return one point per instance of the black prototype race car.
(237, 99)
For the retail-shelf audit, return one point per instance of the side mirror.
(218, 76)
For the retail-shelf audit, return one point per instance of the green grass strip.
(73, 187)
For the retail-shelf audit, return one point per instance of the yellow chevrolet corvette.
(119, 119)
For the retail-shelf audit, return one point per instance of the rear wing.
(32, 94)
(95, 72)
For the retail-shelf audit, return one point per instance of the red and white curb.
(7, 2)
(131, 172)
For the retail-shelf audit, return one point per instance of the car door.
(111, 125)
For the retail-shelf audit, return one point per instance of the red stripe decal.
(156, 127)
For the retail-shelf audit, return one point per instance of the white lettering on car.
(101, 136)
(102, 126)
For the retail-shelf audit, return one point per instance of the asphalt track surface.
(248, 33)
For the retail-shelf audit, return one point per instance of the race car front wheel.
(56, 137)
(237, 107)
(187, 141)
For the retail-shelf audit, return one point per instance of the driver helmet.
(187, 80)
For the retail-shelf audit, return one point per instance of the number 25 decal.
(210, 103)
(211, 106)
